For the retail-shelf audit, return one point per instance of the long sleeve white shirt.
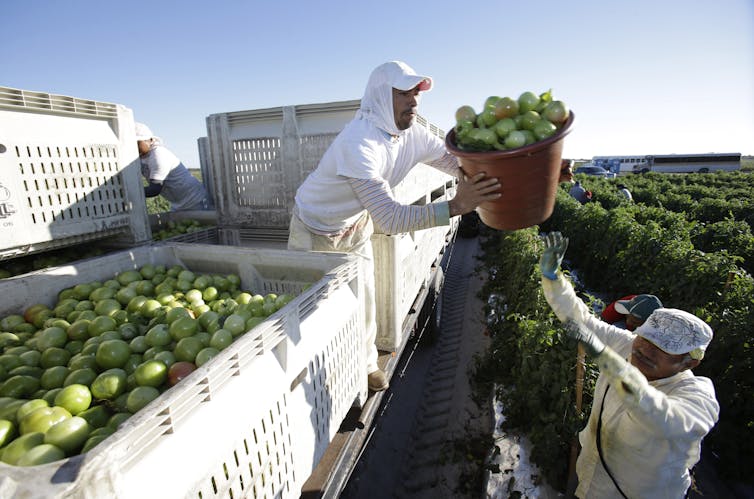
(648, 446)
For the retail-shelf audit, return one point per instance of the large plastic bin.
(260, 157)
(402, 264)
(252, 422)
(69, 173)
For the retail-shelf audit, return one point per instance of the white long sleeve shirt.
(367, 159)
(359, 171)
(648, 446)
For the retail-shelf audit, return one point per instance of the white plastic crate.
(402, 267)
(69, 173)
(402, 263)
(256, 419)
(260, 157)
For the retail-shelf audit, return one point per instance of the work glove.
(626, 379)
(555, 248)
(592, 344)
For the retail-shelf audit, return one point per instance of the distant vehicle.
(594, 170)
(690, 163)
(620, 164)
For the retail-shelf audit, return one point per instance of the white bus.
(690, 163)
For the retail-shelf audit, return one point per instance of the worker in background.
(631, 311)
(350, 191)
(625, 192)
(579, 193)
(650, 412)
(166, 175)
(566, 171)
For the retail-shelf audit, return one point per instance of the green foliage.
(698, 258)
(157, 204)
(531, 359)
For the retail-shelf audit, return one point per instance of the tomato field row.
(695, 255)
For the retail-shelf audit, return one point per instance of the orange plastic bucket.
(529, 177)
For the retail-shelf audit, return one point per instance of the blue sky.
(642, 77)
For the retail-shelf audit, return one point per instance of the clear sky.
(642, 76)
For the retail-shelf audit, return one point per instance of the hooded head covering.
(676, 332)
(142, 131)
(377, 103)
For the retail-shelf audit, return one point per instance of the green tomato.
(465, 113)
(112, 353)
(506, 108)
(205, 355)
(75, 398)
(7, 432)
(556, 112)
(109, 384)
(51, 337)
(41, 454)
(529, 119)
(187, 349)
(515, 139)
(527, 101)
(544, 129)
(151, 373)
(183, 327)
(222, 338)
(139, 397)
(68, 435)
(18, 447)
(41, 419)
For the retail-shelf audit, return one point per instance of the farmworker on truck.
(167, 175)
(351, 188)
(631, 311)
(650, 412)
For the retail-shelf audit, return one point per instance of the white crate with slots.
(260, 157)
(69, 173)
(252, 422)
(401, 263)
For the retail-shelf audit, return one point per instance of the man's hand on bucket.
(471, 192)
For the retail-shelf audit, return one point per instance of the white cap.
(401, 76)
(676, 332)
(142, 131)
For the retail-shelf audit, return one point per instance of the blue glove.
(555, 248)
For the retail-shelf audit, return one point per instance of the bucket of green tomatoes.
(520, 142)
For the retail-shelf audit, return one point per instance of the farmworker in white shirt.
(650, 412)
(350, 191)
(167, 175)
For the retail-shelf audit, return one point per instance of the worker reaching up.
(650, 412)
